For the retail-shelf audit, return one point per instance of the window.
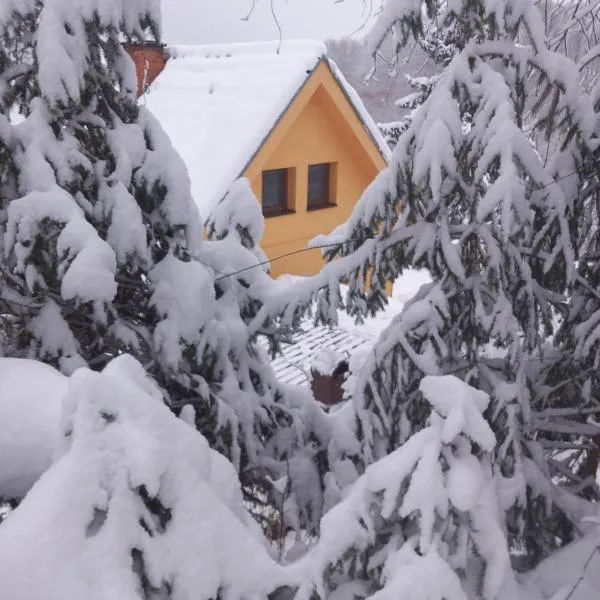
(275, 191)
(320, 186)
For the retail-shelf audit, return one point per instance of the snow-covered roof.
(293, 365)
(348, 339)
(218, 104)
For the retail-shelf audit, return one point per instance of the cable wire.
(347, 241)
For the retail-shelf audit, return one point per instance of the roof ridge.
(285, 47)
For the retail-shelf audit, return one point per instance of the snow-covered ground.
(30, 411)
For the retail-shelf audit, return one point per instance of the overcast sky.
(221, 21)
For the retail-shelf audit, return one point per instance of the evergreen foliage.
(102, 250)
(138, 504)
(470, 197)
(425, 521)
(439, 47)
(467, 439)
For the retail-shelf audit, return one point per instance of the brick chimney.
(150, 59)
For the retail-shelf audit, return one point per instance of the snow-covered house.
(281, 115)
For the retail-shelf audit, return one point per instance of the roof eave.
(378, 143)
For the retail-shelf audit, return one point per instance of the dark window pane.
(274, 189)
(318, 185)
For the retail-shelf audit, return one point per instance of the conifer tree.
(295, 430)
(438, 45)
(469, 198)
(101, 242)
(570, 385)
(426, 520)
(422, 87)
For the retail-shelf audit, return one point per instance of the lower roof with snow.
(294, 364)
(219, 103)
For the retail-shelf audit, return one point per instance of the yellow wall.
(319, 127)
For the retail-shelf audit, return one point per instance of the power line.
(292, 253)
(347, 241)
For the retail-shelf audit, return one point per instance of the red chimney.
(150, 59)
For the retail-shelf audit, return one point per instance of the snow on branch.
(87, 263)
(442, 490)
(137, 503)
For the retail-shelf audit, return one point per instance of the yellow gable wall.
(319, 127)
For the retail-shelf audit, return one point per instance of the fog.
(224, 21)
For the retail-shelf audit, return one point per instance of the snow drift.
(136, 504)
(30, 408)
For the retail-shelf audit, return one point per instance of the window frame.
(330, 184)
(284, 207)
